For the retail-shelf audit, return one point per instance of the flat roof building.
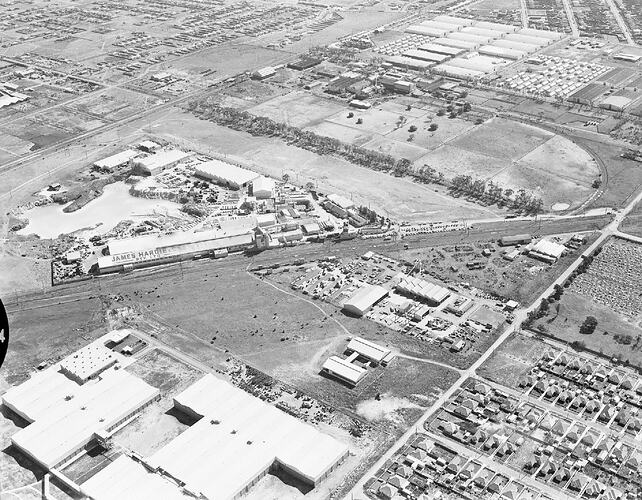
(236, 441)
(364, 299)
(226, 174)
(517, 239)
(161, 160)
(67, 417)
(547, 249)
(344, 370)
(154, 249)
(263, 188)
(369, 350)
(117, 160)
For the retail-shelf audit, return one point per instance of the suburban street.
(520, 315)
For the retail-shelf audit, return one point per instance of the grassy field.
(49, 333)
(513, 154)
(514, 358)
(398, 198)
(574, 308)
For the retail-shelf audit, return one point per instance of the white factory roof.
(263, 183)
(162, 158)
(238, 438)
(457, 21)
(126, 478)
(491, 33)
(89, 360)
(460, 44)
(155, 246)
(492, 50)
(227, 172)
(364, 298)
(47, 389)
(368, 349)
(423, 289)
(550, 248)
(342, 201)
(482, 63)
(505, 28)
(425, 55)
(72, 423)
(117, 159)
(425, 31)
(409, 62)
(511, 44)
(458, 72)
(467, 37)
(440, 26)
(533, 40)
(441, 49)
(344, 369)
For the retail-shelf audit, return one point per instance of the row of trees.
(476, 189)
(492, 193)
(263, 126)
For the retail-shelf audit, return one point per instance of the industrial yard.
(368, 250)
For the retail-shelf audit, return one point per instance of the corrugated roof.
(344, 369)
(225, 172)
(117, 159)
(238, 438)
(368, 349)
(364, 298)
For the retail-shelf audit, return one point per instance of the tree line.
(476, 189)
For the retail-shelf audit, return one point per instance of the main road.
(611, 229)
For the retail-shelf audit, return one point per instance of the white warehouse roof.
(342, 201)
(72, 423)
(344, 369)
(364, 298)
(549, 248)
(161, 159)
(225, 172)
(117, 159)
(237, 439)
(126, 478)
(457, 21)
(368, 349)
(420, 288)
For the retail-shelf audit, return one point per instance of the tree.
(467, 106)
(413, 128)
(588, 327)
(359, 121)
(285, 177)
(441, 112)
(309, 186)
(351, 114)
(433, 127)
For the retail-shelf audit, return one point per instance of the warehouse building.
(517, 239)
(587, 94)
(424, 55)
(494, 51)
(225, 174)
(117, 160)
(338, 205)
(418, 29)
(442, 49)
(460, 44)
(369, 350)
(344, 370)
(67, 417)
(455, 21)
(430, 292)
(161, 160)
(458, 72)
(237, 440)
(547, 250)
(409, 63)
(263, 188)
(154, 249)
(361, 301)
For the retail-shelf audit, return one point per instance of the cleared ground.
(513, 154)
(514, 358)
(573, 310)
